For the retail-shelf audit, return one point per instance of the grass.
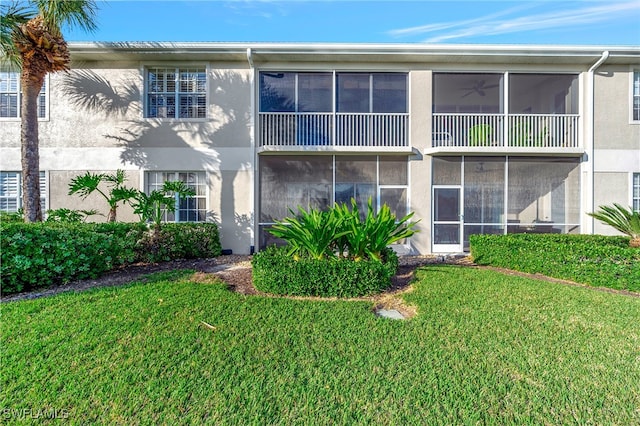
(485, 348)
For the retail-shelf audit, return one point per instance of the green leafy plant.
(623, 220)
(480, 135)
(69, 216)
(12, 216)
(597, 260)
(42, 254)
(340, 232)
(311, 233)
(368, 238)
(36, 255)
(185, 240)
(151, 207)
(116, 192)
(275, 271)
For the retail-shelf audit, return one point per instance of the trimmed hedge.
(35, 255)
(597, 260)
(38, 255)
(180, 241)
(274, 271)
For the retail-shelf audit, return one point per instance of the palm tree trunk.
(31, 85)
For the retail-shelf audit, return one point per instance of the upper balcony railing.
(518, 131)
(291, 129)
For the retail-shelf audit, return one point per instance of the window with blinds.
(188, 209)
(636, 192)
(176, 93)
(11, 191)
(11, 94)
(635, 97)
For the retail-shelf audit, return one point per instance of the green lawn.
(485, 348)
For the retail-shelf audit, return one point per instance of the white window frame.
(43, 109)
(16, 194)
(177, 70)
(174, 176)
(634, 93)
(635, 191)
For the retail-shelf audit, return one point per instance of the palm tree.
(624, 220)
(31, 40)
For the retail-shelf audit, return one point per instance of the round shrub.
(274, 271)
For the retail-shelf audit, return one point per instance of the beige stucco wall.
(58, 196)
(612, 112)
(610, 187)
(420, 164)
(616, 154)
(96, 123)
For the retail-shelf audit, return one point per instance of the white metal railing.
(519, 130)
(462, 130)
(329, 129)
(543, 131)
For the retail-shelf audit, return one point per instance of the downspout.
(250, 57)
(255, 227)
(591, 139)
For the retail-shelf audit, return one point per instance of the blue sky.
(612, 22)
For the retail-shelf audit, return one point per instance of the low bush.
(275, 271)
(180, 241)
(127, 237)
(42, 254)
(602, 261)
(39, 255)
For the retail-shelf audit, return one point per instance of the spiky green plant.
(369, 238)
(341, 232)
(622, 219)
(310, 233)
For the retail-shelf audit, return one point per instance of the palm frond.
(620, 218)
(11, 17)
(67, 13)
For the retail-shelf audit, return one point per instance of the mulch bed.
(235, 271)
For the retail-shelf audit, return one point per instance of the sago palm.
(624, 220)
(31, 40)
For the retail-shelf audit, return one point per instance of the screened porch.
(505, 110)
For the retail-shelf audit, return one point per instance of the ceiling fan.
(479, 87)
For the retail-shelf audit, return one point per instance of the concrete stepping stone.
(389, 313)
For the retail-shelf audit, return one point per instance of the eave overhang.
(265, 53)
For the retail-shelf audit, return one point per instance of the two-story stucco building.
(472, 138)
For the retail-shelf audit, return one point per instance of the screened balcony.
(479, 112)
(316, 110)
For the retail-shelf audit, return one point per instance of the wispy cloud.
(492, 25)
(265, 9)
